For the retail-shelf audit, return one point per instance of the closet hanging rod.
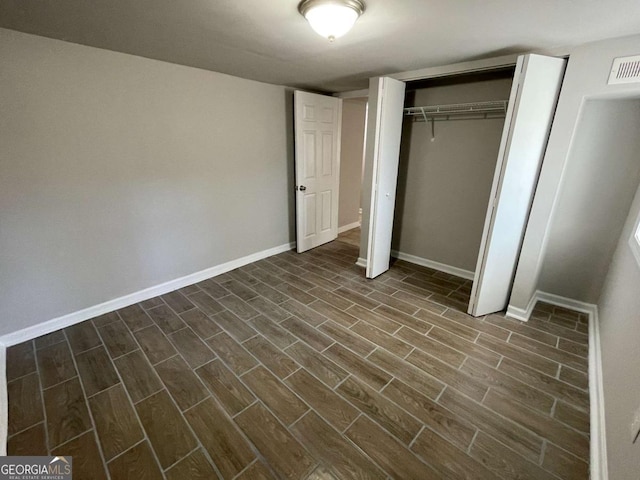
(493, 109)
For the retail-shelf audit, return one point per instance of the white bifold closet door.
(532, 104)
(318, 120)
(386, 103)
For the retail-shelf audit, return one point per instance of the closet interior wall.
(444, 185)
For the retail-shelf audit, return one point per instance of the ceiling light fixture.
(331, 18)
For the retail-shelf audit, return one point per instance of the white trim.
(552, 299)
(634, 240)
(348, 227)
(353, 94)
(473, 66)
(4, 401)
(361, 262)
(598, 460)
(565, 302)
(121, 302)
(519, 313)
(458, 68)
(458, 272)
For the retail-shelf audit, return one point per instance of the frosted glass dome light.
(331, 18)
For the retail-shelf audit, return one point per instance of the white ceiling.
(268, 40)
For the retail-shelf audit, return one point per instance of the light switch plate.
(635, 427)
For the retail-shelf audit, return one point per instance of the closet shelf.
(458, 111)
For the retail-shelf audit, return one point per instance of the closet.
(451, 167)
(450, 141)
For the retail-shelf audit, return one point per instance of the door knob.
(302, 188)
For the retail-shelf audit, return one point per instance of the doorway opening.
(354, 125)
(602, 176)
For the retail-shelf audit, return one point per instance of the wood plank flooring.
(297, 367)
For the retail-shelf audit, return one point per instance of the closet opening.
(451, 168)
(451, 133)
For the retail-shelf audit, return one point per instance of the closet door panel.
(532, 104)
(384, 152)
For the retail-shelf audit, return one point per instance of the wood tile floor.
(297, 367)
(352, 237)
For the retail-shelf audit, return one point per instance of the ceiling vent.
(625, 70)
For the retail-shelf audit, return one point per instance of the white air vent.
(625, 70)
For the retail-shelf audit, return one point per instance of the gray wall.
(444, 185)
(354, 112)
(601, 177)
(118, 173)
(620, 339)
(586, 77)
(558, 189)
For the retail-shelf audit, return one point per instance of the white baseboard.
(424, 262)
(598, 451)
(523, 314)
(598, 435)
(361, 262)
(518, 313)
(550, 298)
(4, 401)
(558, 301)
(346, 228)
(136, 297)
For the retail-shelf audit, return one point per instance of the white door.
(318, 120)
(532, 104)
(386, 103)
